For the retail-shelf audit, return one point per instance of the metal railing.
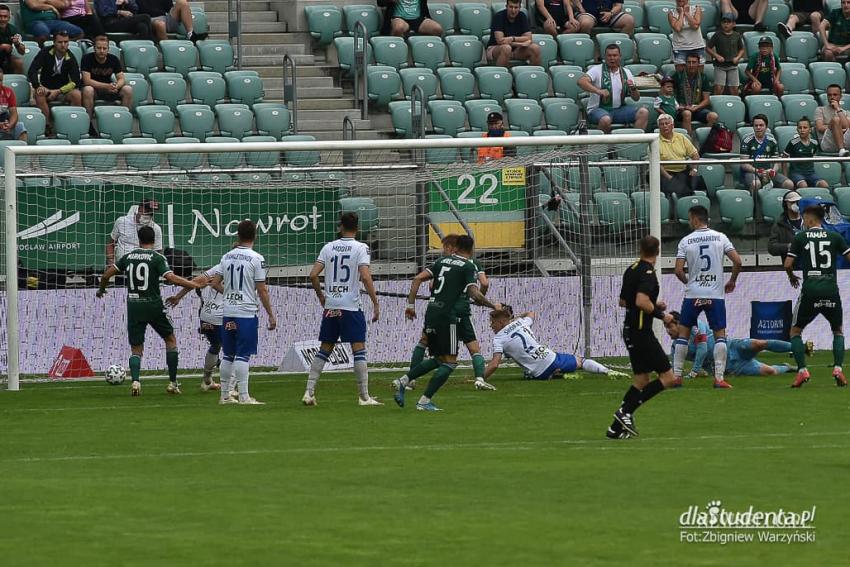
(361, 48)
(234, 28)
(290, 91)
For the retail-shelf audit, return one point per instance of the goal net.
(555, 222)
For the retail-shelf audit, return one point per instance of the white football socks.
(225, 374)
(240, 374)
(720, 353)
(313, 375)
(680, 353)
(593, 366)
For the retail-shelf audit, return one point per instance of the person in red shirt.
(10, 127)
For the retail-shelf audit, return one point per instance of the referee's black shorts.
(645, 352)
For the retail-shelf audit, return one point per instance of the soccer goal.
(555, 221)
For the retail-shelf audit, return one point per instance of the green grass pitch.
(520, 476)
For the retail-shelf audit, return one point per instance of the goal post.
(526, 211)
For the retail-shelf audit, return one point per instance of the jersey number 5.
(705, 258)
(441, 279)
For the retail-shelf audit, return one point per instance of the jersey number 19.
(139, 277)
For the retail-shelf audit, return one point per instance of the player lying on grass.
(143, 267)
(514, 339)
(466, 331)
(741, 353)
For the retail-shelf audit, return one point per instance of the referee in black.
(639, 295)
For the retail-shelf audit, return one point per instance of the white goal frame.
(12, 153)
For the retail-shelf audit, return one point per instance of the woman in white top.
(686, 37)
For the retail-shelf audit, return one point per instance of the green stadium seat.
(390, 51)
(646, 102)
(324, 23)
(272, 119)
(570, 213)
(401, 118)
(224, 160)
(548, 49)
(254, 177)
(614, 210)
(31, 49)
(842, 200)
(184, 161)
(70, 123)
(656, 17)
(447, 116)
(441, 155)
(465, 51)
(736, 209)
(685, 203)
(35, 122)
(426, 51)
(140, 56)
(196, 120)
(783, 135)
(825, 73)
(21, 161)
(234, 122)
(261, 159)
(469, 155)
(818, 193)
(777, 12)
(141, 162)
(710, 16)
(640, 199)
(215, 55)
(245, 89)
(622, 178)
(594, 178)
(141, 89)
(366, 209)
(168, 89)
(565, 81)
(635, 152)
(730, 110)
(443, 14)
(456, 83)
(714, 176)
(771, 203)
(473, 19)
(83, 183)
(20, 86)
(548, 132)
(768, 105)
(751, 41)
(796, 78)
(422, 77)
(636, 11)
(477, 111)
(797, 106)
(561, 113)
(524, 114)
(199, 22)
(494, 82)
(207, 87)
(212, 177)
(300, 157)
(829, 171)
(156, 121)
(531, 82)
(383, 86)
(179, 56)
(114, 122)
(576, 49)
(368, 14)
(655, 50)
(627, 46)
(801, 47)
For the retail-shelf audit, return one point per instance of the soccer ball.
(115, 375)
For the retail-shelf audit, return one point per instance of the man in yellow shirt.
(679, 179)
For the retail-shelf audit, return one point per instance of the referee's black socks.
(634, 398)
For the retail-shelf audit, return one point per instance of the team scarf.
(693, 92)
(607, 103)
(768, 62)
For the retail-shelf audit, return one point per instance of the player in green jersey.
(143, 267)
(466, 331)
(818, 250)
(455, 276)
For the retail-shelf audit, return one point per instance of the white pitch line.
(593, 444)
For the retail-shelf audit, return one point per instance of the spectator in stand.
(556, 16)
(802, 12)
(835, 32)
(687, 37)
(79, 13)
(607, 84)
(10, 127)
(167, 15)
(103, 78)
(121, 16)
(789, 223)
(677, 179)
(758, 145)
(41, 19)
(55, 76)
(746, 12)
(607, 13)
(665, 102)
(693, 92)
(495, 129)
(832, 123)
(764, 71)
(802, 174)
(10, 40)
(510, 37)
(403, 17)
(726, 46)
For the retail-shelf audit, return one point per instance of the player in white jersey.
(515, 339)
(211, 313)
(345, 263)
(242, 271)
(703, 251)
